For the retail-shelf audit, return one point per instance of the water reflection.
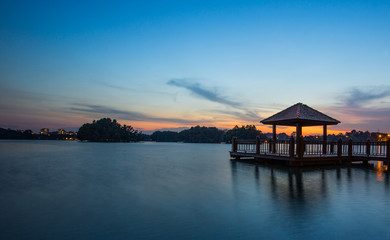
(290, 190)
(380, 169)
(307, 185)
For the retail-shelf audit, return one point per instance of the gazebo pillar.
(274, 138)
(299, 130)
(300, 148)
(325, 138)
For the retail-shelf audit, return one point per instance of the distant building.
(383, 136)
(61, 131)
(44, 131)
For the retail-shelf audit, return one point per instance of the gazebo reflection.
(291, 188)
(286, 184)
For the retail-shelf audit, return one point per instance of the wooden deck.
(305, 153)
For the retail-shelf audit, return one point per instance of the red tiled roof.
(300, 113)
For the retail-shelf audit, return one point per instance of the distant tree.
(201, 135)
(17, 134)
(243, 132)
(282, 136)
(165, 136)
(105, 130)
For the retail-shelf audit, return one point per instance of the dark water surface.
(74, 190)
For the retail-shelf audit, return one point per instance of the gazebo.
(300, 115)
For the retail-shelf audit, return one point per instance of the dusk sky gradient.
(169, 64)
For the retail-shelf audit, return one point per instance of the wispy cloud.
(201, 91)
(234, 109)
(245, 115)
(113, 86)
(126, 115)
(364, 108)
(356, 97)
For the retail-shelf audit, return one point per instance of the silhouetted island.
(105, 130)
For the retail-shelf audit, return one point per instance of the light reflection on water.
(380, 169)
(67, 190)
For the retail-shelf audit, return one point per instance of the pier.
(298, 152)
(305, 153)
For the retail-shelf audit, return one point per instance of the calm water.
(74, 190)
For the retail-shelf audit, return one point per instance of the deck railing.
(302, 148)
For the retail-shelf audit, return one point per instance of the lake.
(81, 190)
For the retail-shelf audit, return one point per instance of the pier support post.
(388, 150)
(300, 147)
(339, 147)
(274, 138)
(325, 142)
(234, 144)
(299, 130)
(350, 148)
(257, 145)
(332, 147)
(269, 143)
(292, 146)
(368, 148)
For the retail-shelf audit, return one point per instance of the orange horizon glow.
(315, 130)
(150, 126)
(153, 126)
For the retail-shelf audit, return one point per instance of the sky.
(172, 64)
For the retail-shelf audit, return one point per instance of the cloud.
(364, 108)
(126, 115)
(357, 97)
(200, 91)
(245, 115)
(195, 88)
(372, 113)
(355, 101)
(113, 86)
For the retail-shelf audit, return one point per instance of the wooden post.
(234, 144)
(292, 147)
(368, 148)
(325, 142)
(258, 145)
(300, 147)
(299, 130)
(274, 138)
(331, 147)
(350, 148)
(339, 147)
(303, 146)
(388, 150)
(269, 144)
(300, 143)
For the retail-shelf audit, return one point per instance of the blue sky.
(167, 64)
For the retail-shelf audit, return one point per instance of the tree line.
(107, 130)
(17, 134)
(200, 134)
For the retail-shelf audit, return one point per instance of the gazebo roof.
(302, 114)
